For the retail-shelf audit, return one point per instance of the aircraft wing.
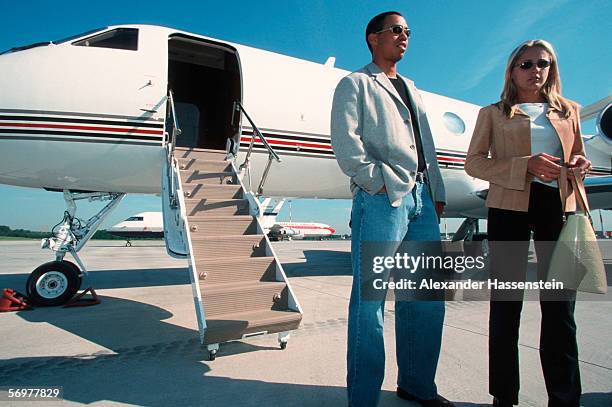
(591, 111)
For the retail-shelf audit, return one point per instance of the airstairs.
(239, 286)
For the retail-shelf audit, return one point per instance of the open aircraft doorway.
(205, 79)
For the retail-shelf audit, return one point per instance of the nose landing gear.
(56, 282)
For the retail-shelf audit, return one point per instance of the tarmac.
(140, 346)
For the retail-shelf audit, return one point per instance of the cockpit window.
(134, 219)
(119, 38)
(73, 37)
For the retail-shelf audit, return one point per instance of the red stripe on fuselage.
(451, 159)
(75, 127)
(288, 143)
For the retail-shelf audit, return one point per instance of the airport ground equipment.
(11, 300)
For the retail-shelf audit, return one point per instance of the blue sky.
(458, 49)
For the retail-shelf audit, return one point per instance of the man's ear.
(373, 40)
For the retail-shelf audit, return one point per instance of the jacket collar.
(384, 81)
(552, 106)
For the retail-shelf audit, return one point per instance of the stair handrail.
(272, 155)
(176, 131)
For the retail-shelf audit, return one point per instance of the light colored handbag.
(576, 260)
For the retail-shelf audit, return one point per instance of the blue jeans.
(418, 324)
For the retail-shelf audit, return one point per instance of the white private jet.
(141, 225)
(97, 116)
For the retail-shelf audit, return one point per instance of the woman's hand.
(580, 162)
(544, 166)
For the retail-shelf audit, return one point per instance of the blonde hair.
(551, 89)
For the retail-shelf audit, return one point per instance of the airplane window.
(73, 37)
(120, 38)
(454, 123)
(134, 218)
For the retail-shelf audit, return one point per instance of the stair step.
(222, 299)
(215, 177)
(223, 225)
(195, 206)
(213, 191)
(211, 247)
(191, 164)
(201, 153)
(233, 270)
(229, 327)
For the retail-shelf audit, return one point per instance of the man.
(383, 142)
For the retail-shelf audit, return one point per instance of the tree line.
(6, 231)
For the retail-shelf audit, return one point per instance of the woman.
(519, 145)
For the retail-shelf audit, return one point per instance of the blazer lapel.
(556, 120)
(384, 81)
(413, 95)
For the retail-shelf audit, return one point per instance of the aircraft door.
(205, 79)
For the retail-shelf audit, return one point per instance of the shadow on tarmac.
(105, 279)
(170, 370)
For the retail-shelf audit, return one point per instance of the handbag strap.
(581, 196)
(563, 184)
(577, 185)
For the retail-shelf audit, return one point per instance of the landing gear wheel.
(53, 283)
(283, 345)
(212, 355)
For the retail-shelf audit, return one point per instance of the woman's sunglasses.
(396, 29)
(541, 63)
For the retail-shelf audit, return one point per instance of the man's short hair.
(376, 24)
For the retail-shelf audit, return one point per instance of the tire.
(53, 283)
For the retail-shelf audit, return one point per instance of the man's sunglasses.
(396, 29)
(541, 63)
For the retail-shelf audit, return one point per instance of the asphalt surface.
(140, 345)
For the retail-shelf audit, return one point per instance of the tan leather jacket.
(500, 148)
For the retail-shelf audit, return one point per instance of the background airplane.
(141, 225)
(300, 230)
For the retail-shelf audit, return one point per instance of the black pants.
(558, 347)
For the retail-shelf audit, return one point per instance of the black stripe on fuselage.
(291, 152)
(451, 154)
(445, 164)
(85, 121)
(81, 134)
(296, 133)
(290, 137)
(73, 140)
(79, 114)
(293, 149)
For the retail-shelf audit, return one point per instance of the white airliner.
(151, 225)
(91, 116)
(300, 230)
(141, 225)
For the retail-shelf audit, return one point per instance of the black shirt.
(400, 86)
